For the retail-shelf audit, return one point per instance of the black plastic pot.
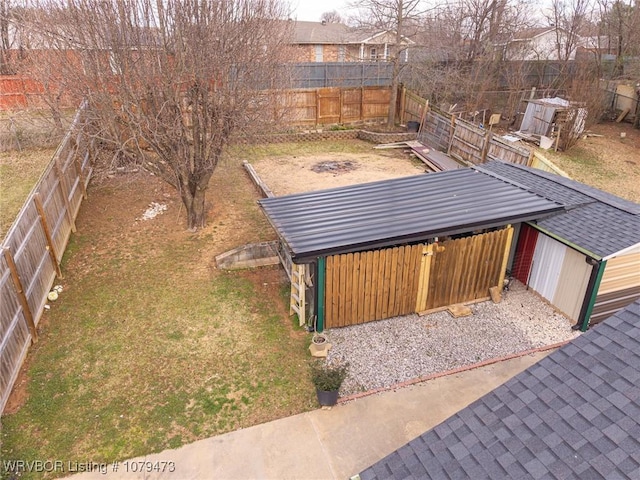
(413, 126)
(327, 398)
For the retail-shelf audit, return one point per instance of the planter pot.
(413, 126)
(327, 398)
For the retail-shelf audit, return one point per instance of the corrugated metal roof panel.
(401, 210)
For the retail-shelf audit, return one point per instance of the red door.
(524, 253)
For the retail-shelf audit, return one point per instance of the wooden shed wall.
(366, 286)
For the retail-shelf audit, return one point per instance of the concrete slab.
(329, 444)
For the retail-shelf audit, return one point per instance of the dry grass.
(19, 172)
(150, 346)
(608, 162)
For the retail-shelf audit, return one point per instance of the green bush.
(328, 377)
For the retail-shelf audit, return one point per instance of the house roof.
(402, 210)
(574, 414)
(340, 34)
(319, 33)
(598, 222)
(533, 32)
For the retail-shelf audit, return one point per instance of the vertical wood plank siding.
(373, 285)
(366, 286)
(464, 269)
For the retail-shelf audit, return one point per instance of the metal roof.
(574, 414)
(402, 210)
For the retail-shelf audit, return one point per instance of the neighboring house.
(540, 44)
(574, 414)
(336, 42)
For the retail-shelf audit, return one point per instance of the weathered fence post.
(21, 295)
(47, 233)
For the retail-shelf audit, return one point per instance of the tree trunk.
(391, 118)
(196, 213)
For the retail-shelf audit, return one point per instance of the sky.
(310, 10)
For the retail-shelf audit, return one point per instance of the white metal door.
(546, 267)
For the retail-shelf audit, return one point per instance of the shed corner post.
(592, 289)
(320, 298)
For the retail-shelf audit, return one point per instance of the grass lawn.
(149, 345)
(19, 172)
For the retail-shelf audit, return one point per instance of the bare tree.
(464, 43)
(331, 17)
(6, 67)
(620, 24)
(395, 16)
(569, 17)
(171, 82)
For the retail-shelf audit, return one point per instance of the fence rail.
(34, 245)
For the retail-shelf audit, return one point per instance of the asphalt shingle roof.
(574, 414)
(379, 214)
(596, 221)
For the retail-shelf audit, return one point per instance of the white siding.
(547, 265)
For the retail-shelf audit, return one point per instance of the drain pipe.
(320, 297)
(592, 292)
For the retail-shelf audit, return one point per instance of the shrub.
(328, 377)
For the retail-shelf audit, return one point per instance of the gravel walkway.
(387, 352)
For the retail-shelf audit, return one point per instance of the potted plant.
(327, 379)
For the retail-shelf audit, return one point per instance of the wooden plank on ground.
(459, 310)
(622, 115)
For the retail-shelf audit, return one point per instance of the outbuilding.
(377, 250)
(586, 260)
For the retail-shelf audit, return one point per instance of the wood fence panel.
(375, 103)
(14, 333)
(436, 130)
(372, 285)
(464, 269)
(35, 243)
(352, 105)
(325, 106)
(468, 143)
(412, 108)
(329, 106)
(501, 150)
(540, 162)
(301, 107)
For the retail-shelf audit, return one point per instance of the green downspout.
(320, 300)
(594, 293)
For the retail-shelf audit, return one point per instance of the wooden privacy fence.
(34, 245)
(473, 145)
(463, 270)
(330, 106)
(366, 286)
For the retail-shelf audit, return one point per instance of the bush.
(328, 377)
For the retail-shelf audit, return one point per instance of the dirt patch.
(334, 167)
(295, 174)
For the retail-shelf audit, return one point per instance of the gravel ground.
(387, 352)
